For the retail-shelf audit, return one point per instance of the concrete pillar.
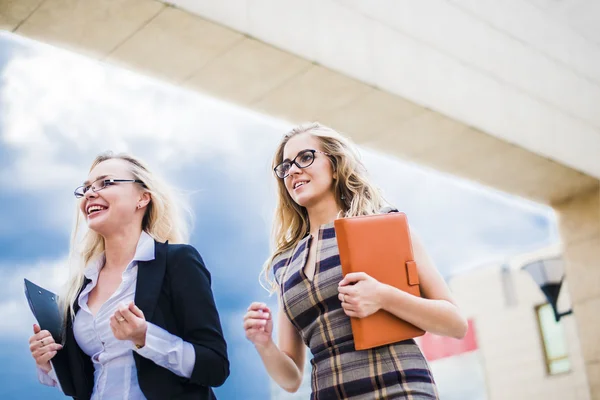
(579, 223)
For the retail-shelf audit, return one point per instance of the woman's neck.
(120, 247)
(322, 213)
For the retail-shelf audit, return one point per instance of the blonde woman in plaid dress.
(320, 178)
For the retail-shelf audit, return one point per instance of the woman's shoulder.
(180, 249)
(279, 262)
(281, 259)
(181, 255)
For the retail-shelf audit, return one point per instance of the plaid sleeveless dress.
(397, 371)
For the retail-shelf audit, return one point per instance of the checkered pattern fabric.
(397, 371)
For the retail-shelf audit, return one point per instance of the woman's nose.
(90, 194)
(294, 169)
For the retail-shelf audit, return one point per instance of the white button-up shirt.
(115, 374)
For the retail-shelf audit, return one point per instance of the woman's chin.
(304, 201)
(300, 199)
(97, 224)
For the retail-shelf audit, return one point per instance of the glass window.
(553, 341)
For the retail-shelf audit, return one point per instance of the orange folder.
(380, 246)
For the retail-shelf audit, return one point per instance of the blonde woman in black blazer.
(141, 321)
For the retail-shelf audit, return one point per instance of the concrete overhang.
(502, 93)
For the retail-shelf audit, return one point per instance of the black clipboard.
(44, 306)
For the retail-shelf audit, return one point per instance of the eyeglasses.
(304, 160)
(102, 183)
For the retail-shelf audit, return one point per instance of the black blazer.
(173, 291)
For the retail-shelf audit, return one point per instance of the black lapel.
(150, 279)
(76, 303)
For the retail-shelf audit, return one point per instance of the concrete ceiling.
(503, 93)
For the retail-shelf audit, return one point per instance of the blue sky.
(58, 110)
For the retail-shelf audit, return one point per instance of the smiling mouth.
(299, 184)
(95, 209)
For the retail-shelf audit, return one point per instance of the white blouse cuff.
(168, 351)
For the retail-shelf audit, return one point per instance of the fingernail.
(266, 315)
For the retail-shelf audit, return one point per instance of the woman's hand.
(360, 295)
(128, 323)
(43, 348)
(258, 324)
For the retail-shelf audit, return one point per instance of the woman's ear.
(144, 200)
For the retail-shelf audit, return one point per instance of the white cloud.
(15, 314)
(61, 109)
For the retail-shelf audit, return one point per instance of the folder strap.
(412, 273)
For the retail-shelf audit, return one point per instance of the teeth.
(298, 184)
(95, 208)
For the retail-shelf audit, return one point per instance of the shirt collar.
(143, 252)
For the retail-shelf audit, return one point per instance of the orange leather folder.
(380, 246)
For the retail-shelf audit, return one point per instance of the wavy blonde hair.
(353, 191)
(163, 221)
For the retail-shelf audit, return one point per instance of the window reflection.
(553, 340)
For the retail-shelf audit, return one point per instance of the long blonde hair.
(163, 221)
(353, 191)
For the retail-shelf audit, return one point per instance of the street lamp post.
(548, 274)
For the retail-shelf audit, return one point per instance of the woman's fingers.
(47, 340)
(33, 346)
(53, 347)
(43, 350)
(46, 357)
(257, 315)
(46, 353)
(114, 324)
(38, 345)
(346, 299)
(256, 320)
(39, 340)
(126, 313)
(136, 310)
(119, 317)
(349, 309)
(42, 346)
(258, 306)
(39, 336)
(254, 323)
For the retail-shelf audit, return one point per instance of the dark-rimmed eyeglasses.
(100, 184)
(304, 159)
